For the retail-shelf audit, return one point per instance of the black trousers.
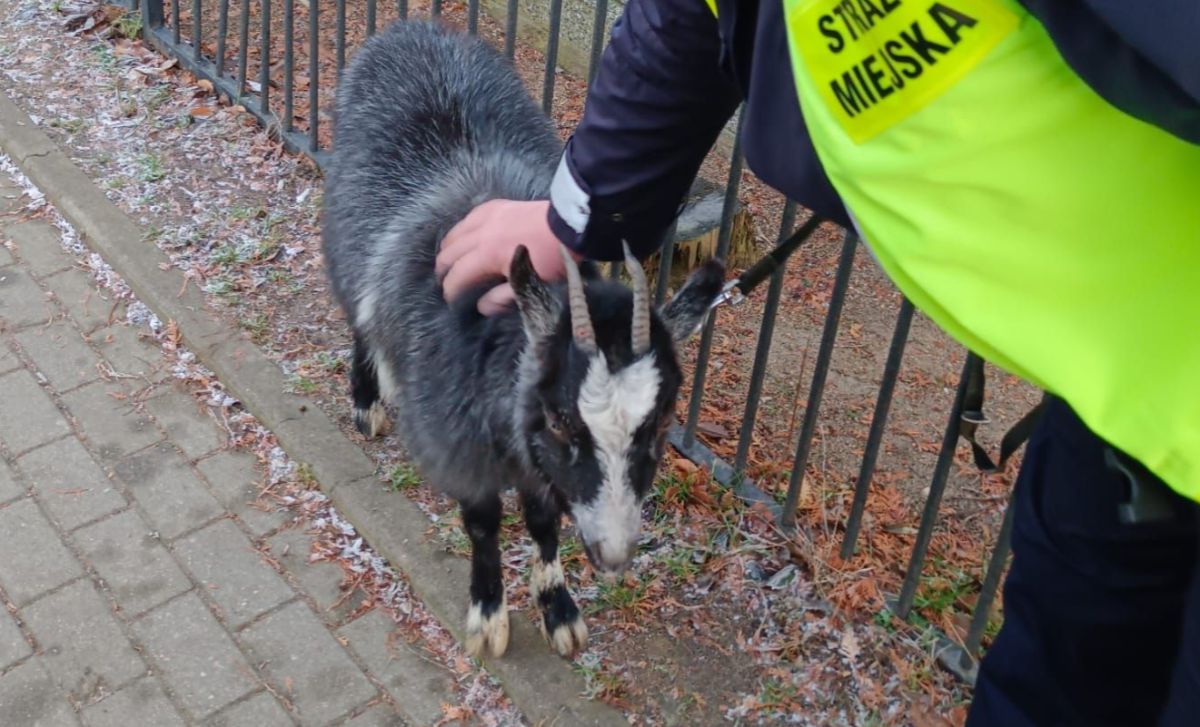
(1101, 618)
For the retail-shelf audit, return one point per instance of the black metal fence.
(227, 69)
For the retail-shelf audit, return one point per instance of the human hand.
(482, 244)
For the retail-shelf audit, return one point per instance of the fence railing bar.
(473, 17)
(196, 16)
(152, 15)
(402, 9)
(222, 31)
(510, 29)
(723, 238)
(370, 18)
(883, 403)
(599, 23)
(314, 68)
(339, 40)
(762, 352)
(817, 388)
(293, 141)
(289, 63)
(722, 472)
(264, 61)
(941, 473)
(991, 582)
(243, 47)
(666, 256)
(435, 8)
(175, 21)
(554, 26)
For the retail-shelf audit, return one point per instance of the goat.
(567, 398)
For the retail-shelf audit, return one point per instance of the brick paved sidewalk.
(141, 584)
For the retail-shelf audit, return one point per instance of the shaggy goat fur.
(430, 123)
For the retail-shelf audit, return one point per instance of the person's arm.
(659, 101)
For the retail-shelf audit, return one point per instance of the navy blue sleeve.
(1141, 57)
(659, 101)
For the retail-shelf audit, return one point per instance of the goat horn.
(581, 320)
(640, 327)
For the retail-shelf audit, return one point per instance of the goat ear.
(686, 311)
(539, 308)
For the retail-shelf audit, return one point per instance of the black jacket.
(673, 75)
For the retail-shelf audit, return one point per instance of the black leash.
(973, 416)
(736, 290)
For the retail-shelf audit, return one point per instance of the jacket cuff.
(570, 205)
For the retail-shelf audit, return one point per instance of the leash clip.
(731, 294)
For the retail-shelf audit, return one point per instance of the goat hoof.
(489, 631)
(569, 637)
(372, 422)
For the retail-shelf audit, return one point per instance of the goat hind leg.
(487, 618)
(561, 622)
(370, 416)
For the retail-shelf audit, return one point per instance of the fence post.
(787, 518)
(891, 370)
(152, 15)
(762, 352)
(723, 237)
(941, 472)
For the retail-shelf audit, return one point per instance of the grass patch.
(403, 477)
(150, 168)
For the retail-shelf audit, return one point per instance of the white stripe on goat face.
(614, 406)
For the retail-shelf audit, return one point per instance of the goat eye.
(555, 426)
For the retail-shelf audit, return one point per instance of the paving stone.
(13, 645)
(82, 645)
(260, 710)
(29, 698)
(8, 360)
(321, 580)
(381, 715)
(61, 355)
(39, 245)
(168, 490)
(232, 572)
(35, 560)
(234, 476)
(72, 487)
(307, 663)
(87, 304)
(123, 346)
(419, 687)
(140, 703)
(22, 302)
(6, 257)
(40, 421)
(9, 486)
(193, 430)
(138, 570)
(10, 196)
(196, 657)
(105, 413)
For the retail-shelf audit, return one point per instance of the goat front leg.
(487, 618)
(561, 622)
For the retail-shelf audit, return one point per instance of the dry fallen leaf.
(205, 84)
(849, 645)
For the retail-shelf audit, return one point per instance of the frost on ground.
(724, 618)
(333, 539)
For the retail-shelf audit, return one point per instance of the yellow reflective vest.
(1037, 224)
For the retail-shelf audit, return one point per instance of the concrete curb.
(541, 684)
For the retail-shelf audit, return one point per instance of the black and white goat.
(566, 399)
